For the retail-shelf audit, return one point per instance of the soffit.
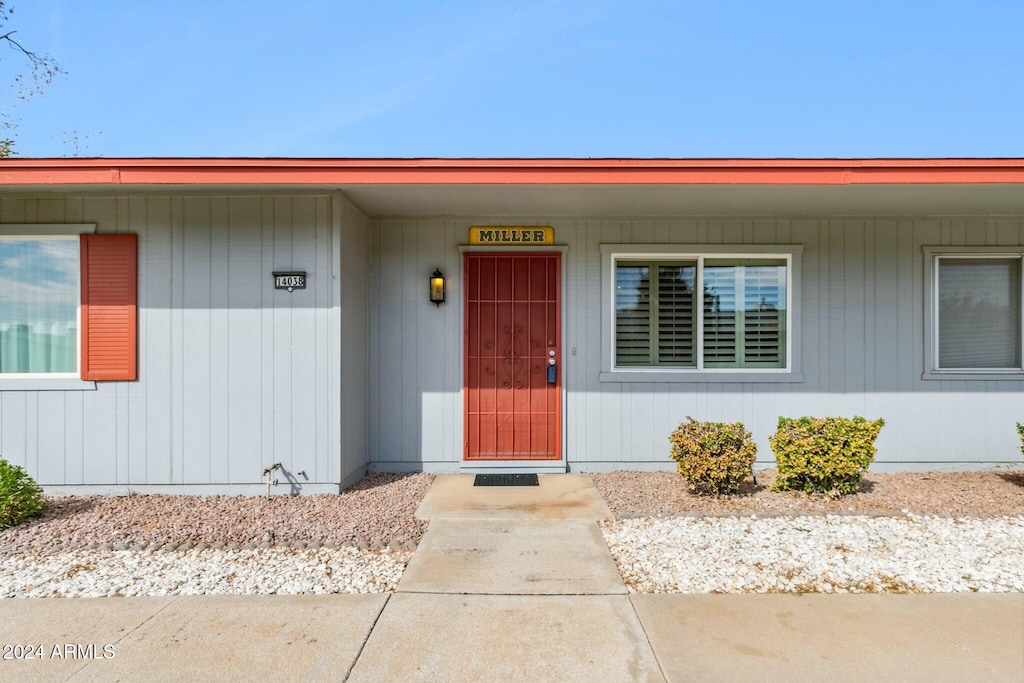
(687, 200)
(625, 201)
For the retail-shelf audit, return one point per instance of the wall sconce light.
(437, 288)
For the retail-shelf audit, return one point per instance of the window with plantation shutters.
(655, 316)
(740, 324)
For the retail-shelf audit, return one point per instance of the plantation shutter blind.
(744, 316)
(764, 314)
(676, 316)
(654, 314)
(720, 315)
(109, 273)
(633, 329)
(979, 313)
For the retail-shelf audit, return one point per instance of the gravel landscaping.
(983, 494)
(358, 541)
(905, 532)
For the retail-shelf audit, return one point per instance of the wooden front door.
(513, 392)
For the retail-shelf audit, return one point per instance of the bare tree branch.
(42, 69)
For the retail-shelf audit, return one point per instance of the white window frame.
(49, 381)
(612, 253)
(932, 256)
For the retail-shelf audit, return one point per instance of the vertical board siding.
(862, 340)
(355, 341)
(234, 375)
(210, 325)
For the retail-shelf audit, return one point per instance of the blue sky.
(523, 79)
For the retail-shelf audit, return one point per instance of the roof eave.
(335, 172)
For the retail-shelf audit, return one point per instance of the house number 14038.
(290, 281)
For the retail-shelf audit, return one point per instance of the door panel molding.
(512, 328)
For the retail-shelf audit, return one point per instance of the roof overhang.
(597, 187)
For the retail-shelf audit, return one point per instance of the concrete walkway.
(501, 590)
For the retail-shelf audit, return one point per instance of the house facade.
(180, 325)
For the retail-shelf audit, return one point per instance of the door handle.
(552, 371)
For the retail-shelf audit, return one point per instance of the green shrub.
(1020, 430)
(714, 457)
(20, 496)
(826, 455)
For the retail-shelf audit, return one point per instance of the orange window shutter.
(109, 306)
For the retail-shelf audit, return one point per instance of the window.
(68, 309)
(39, 298)
(678, 314)
(975, 310)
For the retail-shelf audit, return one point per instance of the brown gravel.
(376, 512)
(981, 494)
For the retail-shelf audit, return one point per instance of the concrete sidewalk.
(431, 637)
(501, 590)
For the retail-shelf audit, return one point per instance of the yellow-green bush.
(826, 455)
(714, 457)
(20, 495)
(1020, 430)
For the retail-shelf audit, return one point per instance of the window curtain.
(38, 306)
(979, 313)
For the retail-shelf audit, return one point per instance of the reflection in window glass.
(39, 306)
(745, 313)
(745, 319)
(979, 313)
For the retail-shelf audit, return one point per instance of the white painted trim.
(610, 253)
(40, 383)
(931, 369)
(660, 375)
(502, 248)
(33, 230)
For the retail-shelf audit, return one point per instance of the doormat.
(506, 480)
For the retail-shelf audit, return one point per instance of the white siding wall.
(862, 343)
(354, 278)
(233, 375)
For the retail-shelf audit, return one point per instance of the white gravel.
(826, 554)
(279, 570)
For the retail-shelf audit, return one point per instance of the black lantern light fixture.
(437, 287)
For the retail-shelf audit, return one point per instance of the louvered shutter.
(109, 308)
(633, 314)
(764, 315)
(720, 315)
(676, 315)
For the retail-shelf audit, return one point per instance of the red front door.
(513, 400)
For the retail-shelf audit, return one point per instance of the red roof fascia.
(76, 171)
